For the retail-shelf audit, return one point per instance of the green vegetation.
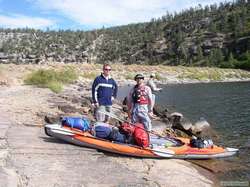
(158, 77)
(211, 36)
(130, 76)
(52, 79)
(55, 86)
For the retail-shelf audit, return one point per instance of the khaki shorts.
(102, 117)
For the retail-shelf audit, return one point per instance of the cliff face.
(209, 36)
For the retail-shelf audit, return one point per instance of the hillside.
(216, 35)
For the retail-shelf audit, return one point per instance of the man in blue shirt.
(104, 90)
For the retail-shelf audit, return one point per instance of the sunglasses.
(107, 69)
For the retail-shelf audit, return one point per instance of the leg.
(153, 100)
(134, 116)
(143, 116)
(98, 115)
(108, 109)
(145, 120)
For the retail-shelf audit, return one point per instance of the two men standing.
(140, 100)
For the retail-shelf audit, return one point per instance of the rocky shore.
(29, 158)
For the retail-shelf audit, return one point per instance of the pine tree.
(199, 53)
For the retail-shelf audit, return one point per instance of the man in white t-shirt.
(153, 87)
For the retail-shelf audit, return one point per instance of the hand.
(95, 105)
(151, 114)
(129, 115)
(159, 89)
(112, 98)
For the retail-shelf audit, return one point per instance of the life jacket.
(139, 95)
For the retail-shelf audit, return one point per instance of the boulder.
(66, 108)
(52, 118)
(85, 101)
(161, 112)
(84, 110)
(200, 126)
(180, 123)
(3, 56)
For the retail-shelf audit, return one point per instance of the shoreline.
(126, 83)
(28, 98)
(124, 74)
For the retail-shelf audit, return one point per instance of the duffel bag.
(76, 122)
(141, 135)
(127, 128)
(116, 136)
(102, 130)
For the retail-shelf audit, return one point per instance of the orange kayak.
(181, 150)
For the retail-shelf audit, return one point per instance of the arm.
(153, 86)
(94, 91)
(150, 97)
(129, 102)
(115, 89)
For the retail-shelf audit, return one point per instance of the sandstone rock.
(8, 177)
(52, 118)
(85, 102)
(67, 108)
(84, 110)
(3, 56)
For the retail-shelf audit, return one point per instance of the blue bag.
(116, 136)
(76, 122)
(102, 131)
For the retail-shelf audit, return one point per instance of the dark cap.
(139, 76)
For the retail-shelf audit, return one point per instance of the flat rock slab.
(45, 161)
(8, 178)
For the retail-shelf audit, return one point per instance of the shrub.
(243, 65)
(41, 77)
(51, 79)
(158, 77)
(55, 86)
(130, 76)
(69, 75)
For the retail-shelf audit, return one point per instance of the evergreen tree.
(199, 53)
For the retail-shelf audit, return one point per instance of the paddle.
(112, 115)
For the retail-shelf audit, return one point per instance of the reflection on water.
(226, 106)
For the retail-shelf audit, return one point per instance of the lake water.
(226, 106)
